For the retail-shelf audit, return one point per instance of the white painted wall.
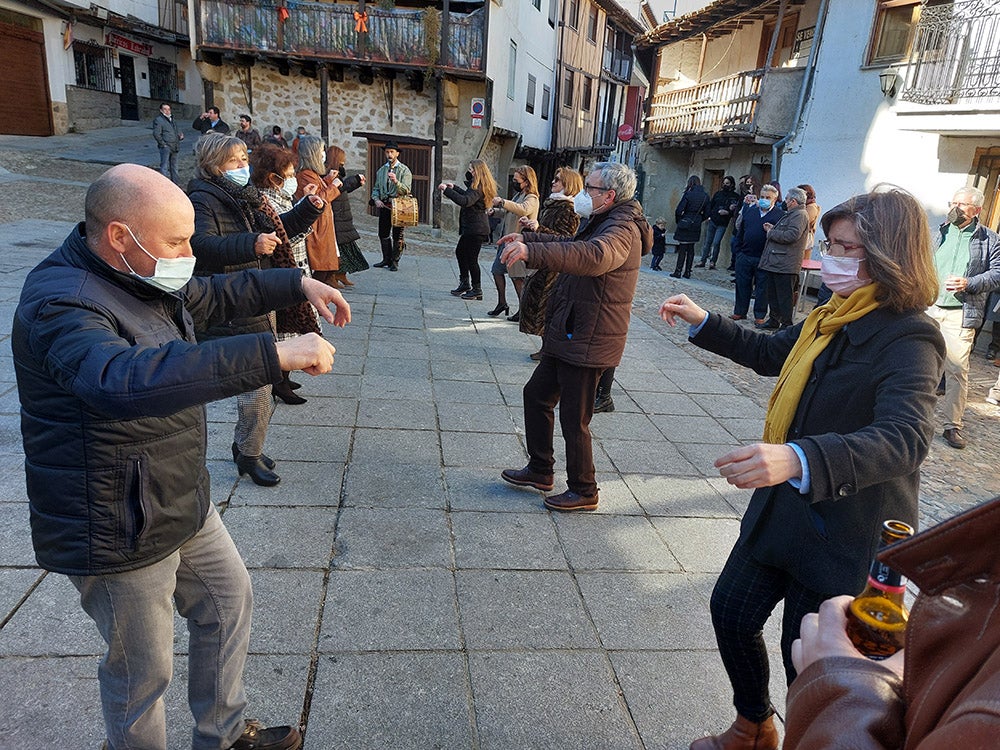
(520, 21)
(854, 138)
(62, 73)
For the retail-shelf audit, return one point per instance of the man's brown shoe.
(570, 500)
(742, 735)
(527, 478)
(258, 737)
(953, 436)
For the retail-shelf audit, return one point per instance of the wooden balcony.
(326, 32)
(727, 110)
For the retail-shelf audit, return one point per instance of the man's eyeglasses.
(961, 204)
(826, 247)
(598, 188)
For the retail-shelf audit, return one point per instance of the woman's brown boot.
(342, 278)
(327, 277)
(742, 735)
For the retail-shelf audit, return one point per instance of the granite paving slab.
(510, 541)
(506, 609)
(557, 700)
(413, 700)
(661, 495)
(383, 538)
(390, 610)
(269, 537)
(646, 611)
(379, 484)
(606, 542)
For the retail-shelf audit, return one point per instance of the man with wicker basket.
(392, 181)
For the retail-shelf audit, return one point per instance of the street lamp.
(887, 82)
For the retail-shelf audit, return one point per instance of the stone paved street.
(405, 597)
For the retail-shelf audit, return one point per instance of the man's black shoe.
(381, 264)
(393, 267)
(258, 737)
(771, 325)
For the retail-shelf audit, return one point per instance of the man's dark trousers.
(780, 293)
(390, 251)
(573, 388)
(747, 277)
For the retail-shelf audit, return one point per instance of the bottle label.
(885, 578)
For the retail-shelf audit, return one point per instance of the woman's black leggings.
(467, 254)
(742, 601)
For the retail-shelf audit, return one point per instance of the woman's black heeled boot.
(500, 309)
(258, 472)
(473, 293)
(265, 459)
(462, 288)
(283, 390)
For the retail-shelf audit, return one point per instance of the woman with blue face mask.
(235, 228)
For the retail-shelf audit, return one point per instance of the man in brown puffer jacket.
(586, 325)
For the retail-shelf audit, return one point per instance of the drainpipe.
(806, 82)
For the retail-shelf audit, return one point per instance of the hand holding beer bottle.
(876, 619)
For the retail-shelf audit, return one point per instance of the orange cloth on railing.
(283, 13)
(361, 22)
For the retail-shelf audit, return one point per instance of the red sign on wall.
(626, 132)
(123, 42)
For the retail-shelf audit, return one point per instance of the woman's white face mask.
(840, 274)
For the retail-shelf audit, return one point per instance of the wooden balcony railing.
(955, 54)
(326, 31)
(723, 106)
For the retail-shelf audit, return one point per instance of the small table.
(809, 267)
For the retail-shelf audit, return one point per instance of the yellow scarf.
(817, 332)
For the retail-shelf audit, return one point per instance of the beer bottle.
(876, 619)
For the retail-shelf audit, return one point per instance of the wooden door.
(129, 97)
(987, 171)
(419, 158)
(25, 108)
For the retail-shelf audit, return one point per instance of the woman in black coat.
(352, 260)
(236, 229)
(473, 225)
(690, 213)
(849, 423)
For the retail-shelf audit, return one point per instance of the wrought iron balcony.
(329, 32)
(955, 54)
(735, 108)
